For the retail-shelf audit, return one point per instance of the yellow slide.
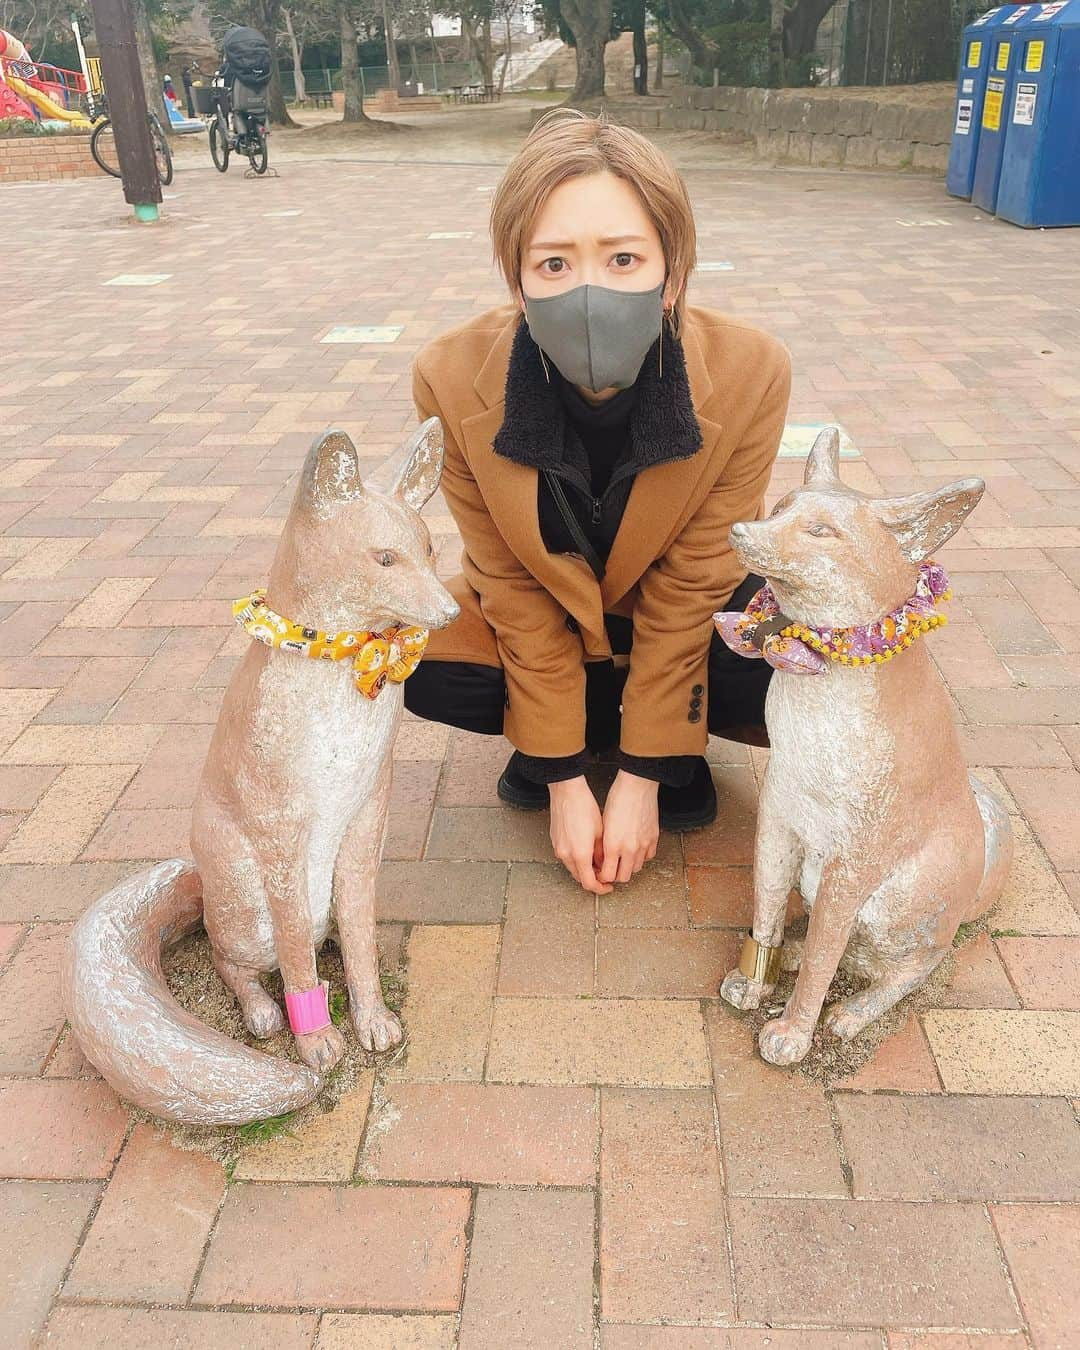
(45, 104)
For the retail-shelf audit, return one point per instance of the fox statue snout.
(866, 807)
(290, 811)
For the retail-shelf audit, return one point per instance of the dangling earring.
(547, 373)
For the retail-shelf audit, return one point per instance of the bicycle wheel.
(257, 152)
(219, 145)
(162, 153)
(103, 148)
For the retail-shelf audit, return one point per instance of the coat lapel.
(657, 499)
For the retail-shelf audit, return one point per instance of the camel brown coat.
(671, 566)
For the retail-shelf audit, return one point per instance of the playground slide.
(44, 104)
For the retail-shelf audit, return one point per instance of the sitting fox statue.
(866, 805)
(289, 817)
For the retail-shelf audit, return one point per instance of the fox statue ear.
(331, 473)
(926, 520)
(412, 473)
(823, 461)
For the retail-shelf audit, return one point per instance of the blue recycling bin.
(976, 50)
(997, 98)
(1040, 169)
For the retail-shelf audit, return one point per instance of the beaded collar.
(763, 631)
(376, 657)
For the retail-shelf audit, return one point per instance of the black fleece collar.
(663, 425)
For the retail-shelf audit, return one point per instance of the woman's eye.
(821, 531)
(385, 559)
(554, 265)
(624, 260)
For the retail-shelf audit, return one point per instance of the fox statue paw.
(742, 992)
(377, 1027)
(783, 1041)
(321, 1050)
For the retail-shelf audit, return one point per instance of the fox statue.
(290, 812)
(866, 806)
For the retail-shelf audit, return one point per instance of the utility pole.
(121, 74)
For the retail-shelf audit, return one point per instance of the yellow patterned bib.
(376, 657)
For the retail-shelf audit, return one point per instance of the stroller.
(240, 99)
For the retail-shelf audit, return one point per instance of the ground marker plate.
(798, 437)
(352, 332)
(138, 279)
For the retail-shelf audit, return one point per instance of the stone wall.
(41, 159)
(860, 128)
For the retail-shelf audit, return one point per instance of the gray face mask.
(596, 336)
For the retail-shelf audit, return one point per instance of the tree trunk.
(590, 23)
(801, 26)
(151, 80)
(414, 73)
(487, 60)
(776, 44)
(508, 56)
(702, 50)
(658, 83)
(267, 17)
(641, 55)
(300, 92)
(350, 67)
(393, 69)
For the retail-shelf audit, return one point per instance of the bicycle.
(103, 148)
(249, 139)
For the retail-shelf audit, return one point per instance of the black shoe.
(516, 790)
(691, 807)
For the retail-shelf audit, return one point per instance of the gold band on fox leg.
(760, 963)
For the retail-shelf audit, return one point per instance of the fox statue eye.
(821, 531)
(385, 558)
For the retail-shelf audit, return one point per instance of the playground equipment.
(38, 92)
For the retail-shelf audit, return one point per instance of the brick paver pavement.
(581, 1144)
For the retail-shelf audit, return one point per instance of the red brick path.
(581, 1144)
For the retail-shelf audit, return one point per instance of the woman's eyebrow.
(612, 239)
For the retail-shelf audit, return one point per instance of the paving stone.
(969, 1148)
(148, 1236)
(83, 745)
(373, 1331)
(1033, 900)
(1006, 1052)
(776, 1133)
(447, 1009)
(442, 892)
(405, 1248)
(476, 833)
(978, 978)
(660, 963)
(875, 1262)
(663, 1242)
(21, 787)
(902, 1063)
(1040, 1244)
(31, 1014)
(486, 1133)
(945, 1340)
(616, 1337)
(69, 813)
(644, 1042)
(542, 900)
(75, 1328)
(1050, 798)
(42, 891)
(323, 1149)
(731, 840)
(40, 1223)
(59, 1130)
(1044, 971)
(530, 1271)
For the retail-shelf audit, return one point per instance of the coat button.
(695, 704)
(693, 716)
(698, 690)
(572, 624)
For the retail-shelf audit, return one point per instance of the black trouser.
(473, 697)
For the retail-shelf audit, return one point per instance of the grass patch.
(262, 1131)
(339, 1006)
(1005, 932)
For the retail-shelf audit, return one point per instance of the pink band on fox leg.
(308, 1011)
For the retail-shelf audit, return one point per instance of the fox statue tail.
(134, 1032)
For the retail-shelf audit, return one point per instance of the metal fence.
(435, 77)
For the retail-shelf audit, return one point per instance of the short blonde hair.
(567, 143)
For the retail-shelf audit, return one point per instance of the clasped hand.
(599, 848)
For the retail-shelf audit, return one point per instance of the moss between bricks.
(196, 986)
